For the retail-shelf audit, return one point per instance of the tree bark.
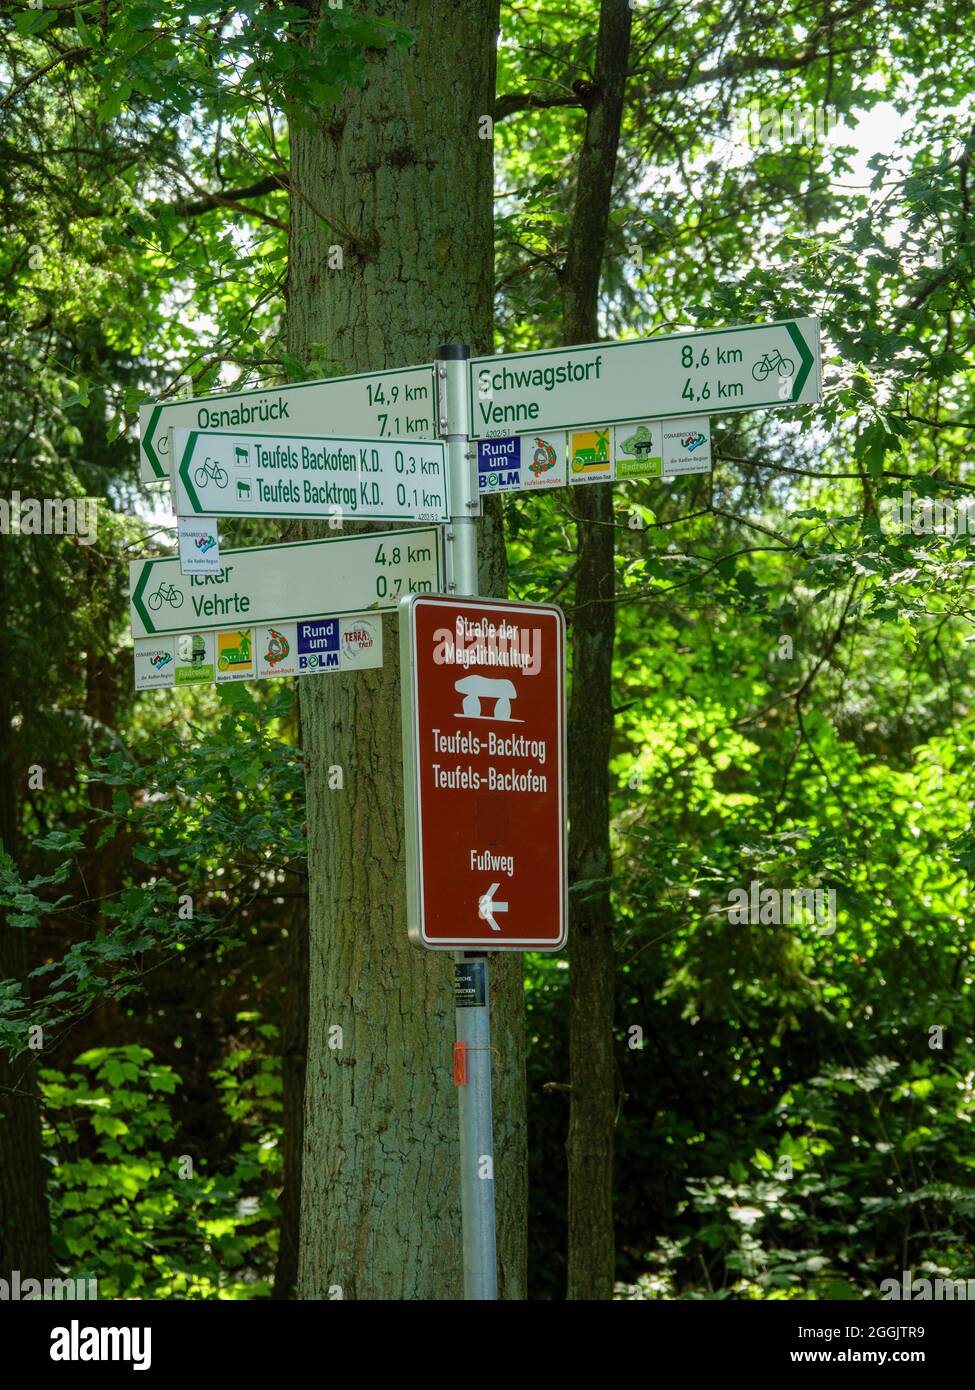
(589, 1146)
(402, 164)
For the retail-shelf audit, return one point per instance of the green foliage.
(134, 1204)
(792, 677)
(860, 1174)
(209, 831)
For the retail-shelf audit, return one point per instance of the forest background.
(771, 671)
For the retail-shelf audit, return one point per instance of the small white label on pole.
(199, 545)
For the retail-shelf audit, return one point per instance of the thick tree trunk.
(400, 163)
(24, 1222)
(589, 1146)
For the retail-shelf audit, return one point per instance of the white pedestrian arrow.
(487, 907)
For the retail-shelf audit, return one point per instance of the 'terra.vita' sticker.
(154, 662)
(276, 649)
(543, 460)
(235, 655)
(590, 457)
(361, 643)
(194, 659)
(318, 645)
(639, 450)
(686, 446)
(499, 464)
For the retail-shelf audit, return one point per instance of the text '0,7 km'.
(484, 734)
(292, 581)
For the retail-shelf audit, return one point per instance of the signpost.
(242, 474)
(378, 405)
(484, 768)
(482, 680)
(724, 369)
(290, 582)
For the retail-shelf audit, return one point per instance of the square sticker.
(194, 659)
(276, 649)
(361, 643)
(639, 449)
(199, 545)
(154, 661)
(498, 464)
(686, 447)
(590, 456)
(235, 655)
(543, 460)
(318, 646)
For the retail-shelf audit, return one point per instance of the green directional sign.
(285, 583)
(725, 369)
(289, 475)
(397, 404)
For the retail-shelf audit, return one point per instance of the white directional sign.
(288, 475)
(378, 405)
(724, 369)
(285, 583)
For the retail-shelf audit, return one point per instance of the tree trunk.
(589, 1147)
(400, 163)
(25, 1236)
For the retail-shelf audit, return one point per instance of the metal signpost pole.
(472, 1059)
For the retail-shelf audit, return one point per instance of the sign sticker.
(686, 447)
(276, 650)
(639, 450)
(199, 545)
(318, 645)
(499, 464)
(194, 659)
(360, 643)
(268, 650)
(154, 662)
(235, 655)
(590, 456)
(543, 460)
